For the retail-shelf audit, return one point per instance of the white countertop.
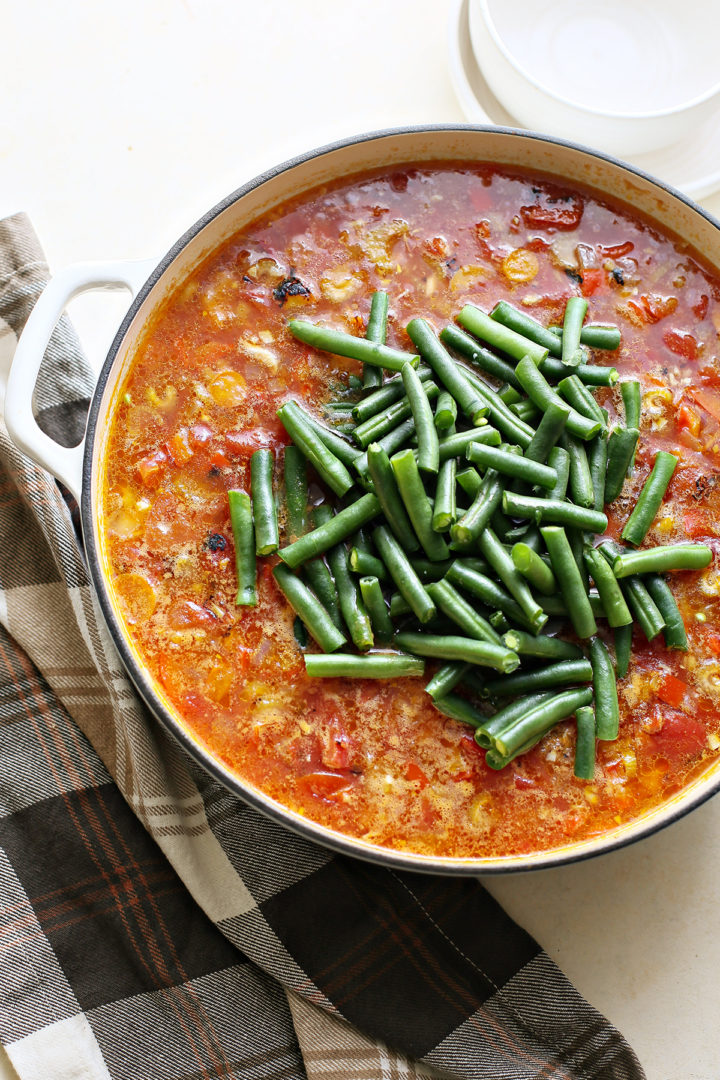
(122, 124)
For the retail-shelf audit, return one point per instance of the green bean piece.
(318, 575)
(524, 324)
(376, 331)
(342, 344)
(548, 432)
(650, 498)
(613, 600)
(445, 411)
(576, 393)
(597, 454)
(591, 374)
(660, 559)
(511, 464)
(373, 429)
(541, 719)
(607, 709)
(394, 440)
(539, 390)
(446, 679)
(548, 677)
(307, 606)
(506, 716)
(386, 395)
(460, 341)
(489, 496)
(456, 445)
(300, 633)
(328, 467)
(329, 437)
(352, 608)
(632, 400)
(643, 607)
(458, 708)
(367, 565)
(581, 485)
(501, 337)
(674, 630)
(267, 536)
(575, 312)
(501, 562)
(451, 647)
(433, 571)
(541, 646)
(470, 481)
(533, 569)
(559, 460)
(600, 336)
(553, 511)
(509, 394)
(427, 436)
(373, 666)
(386, 489)
(585, 743)
(497, 761)
(514, 429)
(417, 504)
(457, 608)
(376, 607)
(296, 492)
(244, 539)
(526, 410)
(399, 606)
(623, 646)
(342, 525)
(445, 508)
(570, 580)
(404, 577)
(622, 444)
(448, 372)
(354, 383)
(487, 590)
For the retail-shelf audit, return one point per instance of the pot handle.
(64, 463)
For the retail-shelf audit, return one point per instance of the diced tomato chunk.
(324, 785)
(708, 399)
(414, 772)
(700, 309)
(658, 307)
(186, 614)
(220, 460)
(152, 467)
(695, 523)
(179, 447)
(592, 280)
(672, 691)
(680, 738)
(688, 418)
(199, 434)
(553, 210)
(681, 344)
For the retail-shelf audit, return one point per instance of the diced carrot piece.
(179, 447)
(220, 460)
(151, 468)
(688, 418)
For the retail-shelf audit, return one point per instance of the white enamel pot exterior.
(82, 469)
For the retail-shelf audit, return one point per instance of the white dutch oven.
(81, 468)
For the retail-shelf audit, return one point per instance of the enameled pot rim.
(389, 857)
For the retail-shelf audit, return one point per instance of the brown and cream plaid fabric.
(210, 942)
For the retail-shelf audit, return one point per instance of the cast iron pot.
(80, 468)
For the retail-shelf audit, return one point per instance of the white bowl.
(625, 77)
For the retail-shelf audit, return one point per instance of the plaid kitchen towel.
(211, 942)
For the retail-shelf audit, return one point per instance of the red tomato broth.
(369, 759)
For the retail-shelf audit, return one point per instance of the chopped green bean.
(373, 666)
(376, 331)
(328, 467)
(532, 567)
(448, 372)
(374, 601)
(450, 647)
(613, 600)
(296, 492)
(659, 559)
(650, 497)
(244, 539)
(623, 646)
(607, 709)
(555, 511)
(342, 344)
(307, 606)
(541, 719)
(446, 679)
(585, 743)
(404, 577)
(575, 312)
(570, 580)
(445, 411)
(342, 525)
(541, 646)
(445, 508)
(457, 608)
(539, 390)
(674, 630)
(460, 341)
(480, 324)
(622, 444)
(267, 537)
(417, 504)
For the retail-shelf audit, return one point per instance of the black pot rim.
(338, 842)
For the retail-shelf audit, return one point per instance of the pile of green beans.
(461, 517)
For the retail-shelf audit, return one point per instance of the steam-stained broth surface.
(375, 760)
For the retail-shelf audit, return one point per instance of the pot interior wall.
(368, 153)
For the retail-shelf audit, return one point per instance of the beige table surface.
(121, 125)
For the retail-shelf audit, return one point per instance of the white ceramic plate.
(692, 165)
